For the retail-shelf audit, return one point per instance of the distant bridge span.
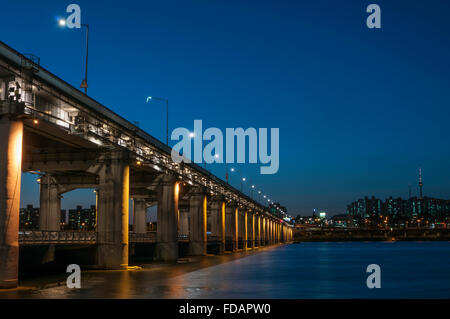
(72, 141)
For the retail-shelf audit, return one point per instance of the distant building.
(397, 210)
(29, 218)
(82, 218)
(339, 220)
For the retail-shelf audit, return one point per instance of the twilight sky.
(359, 110)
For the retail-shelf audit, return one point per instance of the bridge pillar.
(252, 230)
(167, 228)
(264, 234)
(272, 237)
(112, 217)
(276, 232)
(258, 232)
(11, 132)
(184, 223)
(198, 220)
(218, 222)
(232, 225)
(50, 204)
(139, 216)
(245, 231)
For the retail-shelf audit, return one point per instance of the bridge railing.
(148, 237)
(183, 237)
(57, 237)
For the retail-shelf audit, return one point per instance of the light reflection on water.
(307, 270)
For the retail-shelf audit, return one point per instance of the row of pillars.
(227, 220)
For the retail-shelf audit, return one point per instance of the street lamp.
(167, 115)
(242, 183)
(84, 84)
(253, 187)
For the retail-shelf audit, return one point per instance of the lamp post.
(84, 84)
(226, 176)
(242, 184)
(167, 114)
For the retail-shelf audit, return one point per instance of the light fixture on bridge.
(36, 121)
(62, 22)
(138, 163)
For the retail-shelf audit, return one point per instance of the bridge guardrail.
(56, 237)
(148, 237)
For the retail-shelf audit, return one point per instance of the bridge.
(73, 142)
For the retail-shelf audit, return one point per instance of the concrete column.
(253, 237)
(50, 204)
(232, 224)
(245, 230)
(264, 230)
(11, 132)
(184, 223)
(112, 217)
(272, 237)
(167, 219)
(258, 230)
(218, 222)
(276, 232)
(198, 221)
(139, 216)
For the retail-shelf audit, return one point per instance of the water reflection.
(308, 270)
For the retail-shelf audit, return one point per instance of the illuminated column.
(232, 225)
(264, 233)
(218, 222)
(253, 237)
(139, 216)
(278, 232)
(259, 231)
(277, 229)
(167, 219)
(50, 204)
(197, 212)
(11, 133)
(245, 229)
(184, 223)
(112, 217)
(272, 232)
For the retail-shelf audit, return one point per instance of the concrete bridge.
(72, 142)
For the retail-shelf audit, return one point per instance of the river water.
(306, 270)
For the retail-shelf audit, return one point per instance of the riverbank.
(54, 286)
(371, 235)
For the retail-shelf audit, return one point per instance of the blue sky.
(359, 110)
